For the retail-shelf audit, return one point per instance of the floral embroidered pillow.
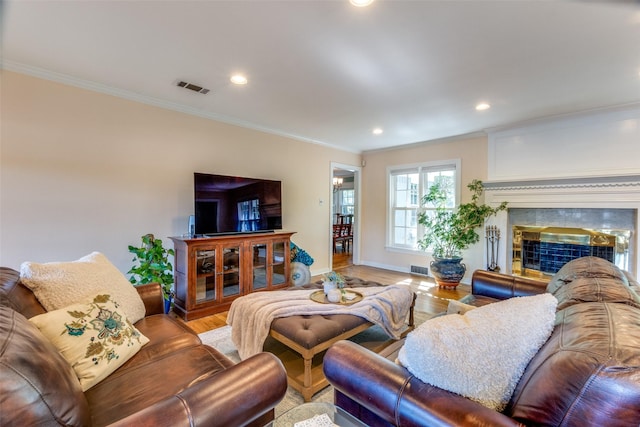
(95, 337)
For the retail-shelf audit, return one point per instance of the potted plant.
(333, 285)
(152, 266)
(450, 231)
(332, 280)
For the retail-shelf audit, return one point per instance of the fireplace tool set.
(493, 239)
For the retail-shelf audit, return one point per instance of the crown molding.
(565, 183)
(149, 100)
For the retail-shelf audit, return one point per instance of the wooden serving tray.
(319, 296)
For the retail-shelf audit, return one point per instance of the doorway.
(344, 215)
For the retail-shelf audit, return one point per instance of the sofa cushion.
(586, 267)
(38, 385)
(59, 284)
(95, 337)
(595, 289)
(166, 335)
(588, 372)
(136, 387)
(481, 354)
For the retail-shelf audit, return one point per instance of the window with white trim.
(407, 186)
(347, 205)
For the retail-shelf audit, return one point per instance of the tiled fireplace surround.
(594, 203)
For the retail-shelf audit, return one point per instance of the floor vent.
(422, 271)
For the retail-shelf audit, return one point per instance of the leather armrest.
(395, 395)
(504, 286)
(152, 298)
(236, 396)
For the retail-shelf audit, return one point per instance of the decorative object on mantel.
(152, 266)
(492, 234)
(450, 231)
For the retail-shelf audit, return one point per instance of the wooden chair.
(342, 235)
(337, 237)
(342, 219)
(346, 232)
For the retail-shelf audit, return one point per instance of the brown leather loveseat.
(586, 374)
(174, 380)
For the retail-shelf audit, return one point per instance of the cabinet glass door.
(206, 275)
(231, 271)
(278, 265)
(259, 265)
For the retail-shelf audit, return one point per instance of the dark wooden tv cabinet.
(210, 272)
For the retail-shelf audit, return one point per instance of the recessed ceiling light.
(361, 3)
(377, 131)
(238, 79)
(483, 106)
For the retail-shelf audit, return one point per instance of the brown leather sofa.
(174, 380)
(586, 374)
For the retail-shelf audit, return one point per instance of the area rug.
(220, 339)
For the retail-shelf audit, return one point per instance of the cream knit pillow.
(482, 354)
(60, 284)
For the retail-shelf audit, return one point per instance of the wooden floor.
(431, 299)
(341, 260)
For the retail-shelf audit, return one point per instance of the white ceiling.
(328, 72)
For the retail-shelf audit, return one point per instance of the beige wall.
(82, 171)
(473, 155)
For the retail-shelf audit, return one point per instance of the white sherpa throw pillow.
(482, 354)
(60, 284)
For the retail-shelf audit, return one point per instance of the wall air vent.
(419, 270)
(192, 87)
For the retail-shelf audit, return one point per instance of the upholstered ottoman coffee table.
(310, 335)
(303, 328)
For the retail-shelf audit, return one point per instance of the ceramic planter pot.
(167, 303)
(448, 271)
(329, 286)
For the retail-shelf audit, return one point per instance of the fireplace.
(549, 222)
(540, 251)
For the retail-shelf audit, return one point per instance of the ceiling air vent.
(192, 87)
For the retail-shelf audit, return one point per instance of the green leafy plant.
(448, 232)
(152, 264)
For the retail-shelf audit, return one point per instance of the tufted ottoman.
(311, 335)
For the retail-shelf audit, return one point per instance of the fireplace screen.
(544, 250)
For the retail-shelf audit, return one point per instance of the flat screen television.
(233, 204)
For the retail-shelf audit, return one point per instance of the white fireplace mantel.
(585, 192)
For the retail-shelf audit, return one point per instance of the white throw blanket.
(250, 316)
